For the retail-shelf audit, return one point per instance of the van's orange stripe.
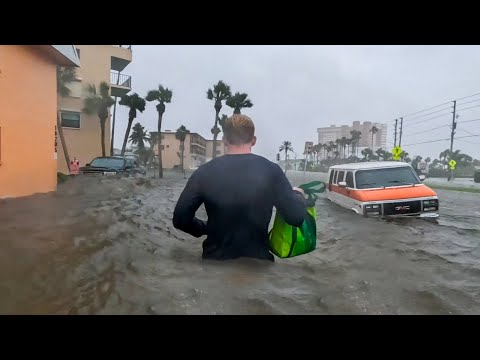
(385, 194)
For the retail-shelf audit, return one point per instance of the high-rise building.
(332, 133)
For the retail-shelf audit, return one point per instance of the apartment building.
(332, 133)
(99, 63)
(28, 126)
(198, 150)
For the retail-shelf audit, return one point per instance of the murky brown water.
(107, 246)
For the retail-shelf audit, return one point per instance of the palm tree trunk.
(285, 161)
(183, 166)
(62, 139)
(102, 134)
(215, 134)
(159, 144)
(127, 133)
(113, 125)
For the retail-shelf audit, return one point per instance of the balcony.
(121, 57)
(121, 84)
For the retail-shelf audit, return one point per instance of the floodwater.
(107, 246)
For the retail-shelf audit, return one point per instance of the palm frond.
(153, 95)
(247, 104)
(166, 95)
(209, 94)
(104, 89)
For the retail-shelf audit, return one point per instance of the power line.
(469, 96)
(447, 139)
(423, 121)
(468, 132)
(418, 112)
(433, 112)
(466, 121)
(471, 107)
(468, 102)
(425, 131)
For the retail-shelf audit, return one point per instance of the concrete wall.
(28, 103)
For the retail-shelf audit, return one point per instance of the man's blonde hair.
(239, 129)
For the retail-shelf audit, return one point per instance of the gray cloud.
(296, 89)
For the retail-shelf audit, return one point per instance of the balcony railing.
(129, 47)
(120, 79)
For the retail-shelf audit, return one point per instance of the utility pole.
(454, 126)
(401, 128)
(395, 142)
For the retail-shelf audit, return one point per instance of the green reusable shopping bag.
(287, 241)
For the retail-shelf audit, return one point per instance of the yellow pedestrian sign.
(397, 152)
(452, 164)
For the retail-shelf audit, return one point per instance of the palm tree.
(219, 93)
(181, 135)
(139, 136)
(163, 96)
(428, 160)
(373, 130)
(238, 102)
(337, 154)
(343, 143)
(134, 102)
(99, 103)
(349, 143)
(338, 142)
(356, 136)
(286, 147)
(65, 75)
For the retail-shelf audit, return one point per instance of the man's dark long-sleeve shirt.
(239, 192)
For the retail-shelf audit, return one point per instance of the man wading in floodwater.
(239, 191)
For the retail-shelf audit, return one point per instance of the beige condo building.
(98, 63)
(198, 150)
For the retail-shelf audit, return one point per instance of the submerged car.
(112, 165)
(385, 188)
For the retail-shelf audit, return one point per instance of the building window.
(78, 53)
(71, 119)
(75, 89)
(218, 152)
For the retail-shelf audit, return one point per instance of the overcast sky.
(296, 89)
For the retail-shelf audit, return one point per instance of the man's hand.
(299, 190)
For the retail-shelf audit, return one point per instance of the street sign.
(397, 152)
(452, 164)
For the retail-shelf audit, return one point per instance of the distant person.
(239, 191)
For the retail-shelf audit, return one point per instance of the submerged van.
(384, 188)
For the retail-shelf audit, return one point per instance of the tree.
(356, 136)
(139, 136)
(286, 147)
(181, 135)
(373, 130)
(238, 102)
(343, 143)
(134, 102)
(337, 154)
(380, 153)
(65, 75)
(349, 143)
(163, 96)
(220, 92)
(99, 103)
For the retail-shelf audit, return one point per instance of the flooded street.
(107, 246)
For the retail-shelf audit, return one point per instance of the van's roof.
(370, 165)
